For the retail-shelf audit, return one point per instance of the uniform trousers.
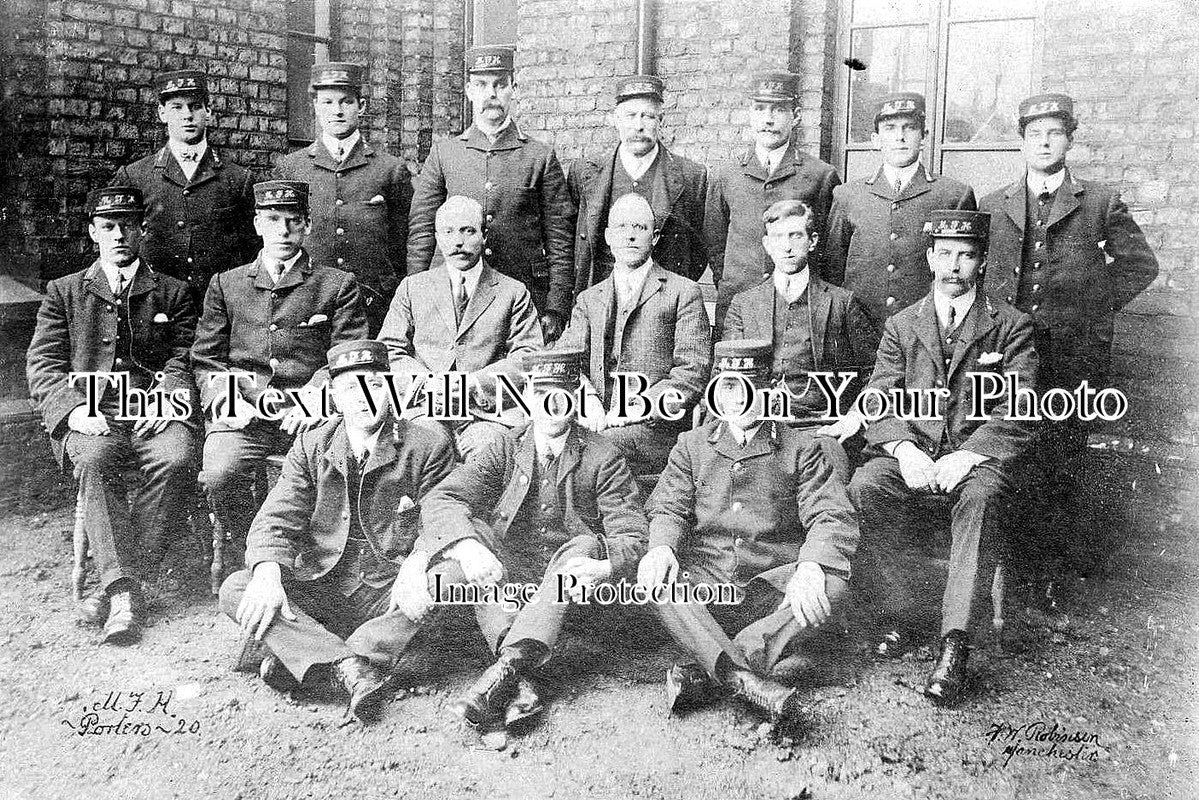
(227, 474)
(646, 446)
(166, 461)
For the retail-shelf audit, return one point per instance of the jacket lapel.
(479, 301)
(920, 183)
(751, 167)
(97, 283)
(321, 157)
(668, 185)
(338, 450)
(443, 297)
(790, 164)
(655, 280)
(819, 305)
(358, 157)
(1016, 203)
(878, 186)
(570, 455)
(522, 467)
(929, 334)
(169, 166)
(206, 170)
(144, 280)
(726, 445)
(384, 454)
(981, 322)
(294, 276)
(1066, 201)
(604, 291)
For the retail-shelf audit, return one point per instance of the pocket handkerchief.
(315, 319)
(376, 200)
(987, 359)
(161, 317)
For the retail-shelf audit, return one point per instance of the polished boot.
(687, 686)
(527, 702)
(777, 701)
(487, 698)
(365, 684)
(124, 625)
(946, 680)
(93, 609)
(275, 675)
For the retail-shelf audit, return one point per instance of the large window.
(973, 60)
(309, 41)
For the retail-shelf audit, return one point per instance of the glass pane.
(985, 170)
(895, 59)
(300, 58)
(874, 11)
(990, 71)
(860, 164)
(495, 22)
(991, 8)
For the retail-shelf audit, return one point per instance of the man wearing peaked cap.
(323, 554)
(197, 201)
(773, 168)
(272, 319)
(952, 460)
(876, 240)
(548, 499)
(641, 164)
(120, 316)
(527, 212)
(751, 503)
(1068, 252)
(360, 194)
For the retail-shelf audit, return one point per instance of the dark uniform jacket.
(738, 194)
(196, 228)
(843, 338)
(528, 217)
(740, 513)
(665, 336)
(280, 333)
(498, 328)
(994, 337)
(876, 242)
(1098, 262)
(77, 331)
(596, 492)
(359, 216)
(680, 186)
(305, 521)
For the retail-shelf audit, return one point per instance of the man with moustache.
(550, 504)
(755, 505)
(359, 195)
(774, 168)
(198, 202)
(812, 325)
(1067, 252)
(643, 320)
(325, 549)
(674, 186)
(117, 316)
(463, 317)
(937, 343)
(528, 216)
(273, 320)
(876, 238)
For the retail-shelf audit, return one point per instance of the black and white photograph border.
(1082, 685)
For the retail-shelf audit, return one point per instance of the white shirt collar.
(791, 286)
(961, 307)
(361, 443)
(628, 281)
(770, 159)
(903, 174)
(288, 264)
(636, 166)
(347, 144)
(1047, 186)
(470, 277)
(179, 148)
(744, 437)
(545, 444)
(129, 270)
(493, 135)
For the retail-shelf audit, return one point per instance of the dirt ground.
(1116, 669)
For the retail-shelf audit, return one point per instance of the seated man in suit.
(463, 317)
(117, 316)
(547, 500)
(754, 505)
(936, 344)
(323, 552)
(640, 319)
(812, 325)
(273, 319)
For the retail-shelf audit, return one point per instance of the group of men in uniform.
(580, 293)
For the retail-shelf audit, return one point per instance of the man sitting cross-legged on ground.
(546, 500)
(752, 504)
(324, 550)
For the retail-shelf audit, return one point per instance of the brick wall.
(1132, 70)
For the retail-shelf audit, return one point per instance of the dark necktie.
(898, 187)
(953, 313)
(190, 155)
(460, 301)
(122, 283)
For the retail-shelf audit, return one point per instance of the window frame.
(320, 35)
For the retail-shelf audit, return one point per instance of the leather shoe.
(487, 699)
(777, 701)
(365, 684)
(93, 609)
(527, 702)
(946, 680)
(687, 686)
(123, 625)
(275, 675)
